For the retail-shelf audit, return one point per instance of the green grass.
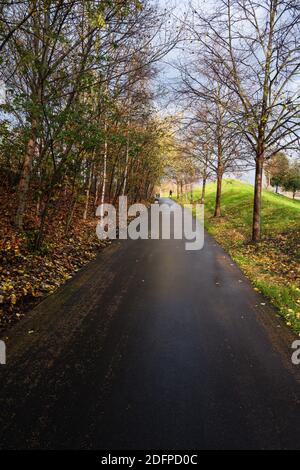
(273, 265)
(278, 212)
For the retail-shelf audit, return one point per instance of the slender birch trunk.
(102, 200)
(88, 191)
(126, 167)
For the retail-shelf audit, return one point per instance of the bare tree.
(253, 49)
(210, 107)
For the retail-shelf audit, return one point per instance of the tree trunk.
(218, 195)
(102, 201)
(203, 190)
(25, 176)
(112, 181)
(87, 201)
(256, 231)
(97, 187)
(126, 167)
(220, 172)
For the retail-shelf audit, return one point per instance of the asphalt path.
(151, 346)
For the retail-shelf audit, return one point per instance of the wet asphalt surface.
(151, 347)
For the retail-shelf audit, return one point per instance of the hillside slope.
(28, 276)
(274, 264)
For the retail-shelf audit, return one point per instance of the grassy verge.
(273, 265)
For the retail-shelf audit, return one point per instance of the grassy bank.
(273, 265)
